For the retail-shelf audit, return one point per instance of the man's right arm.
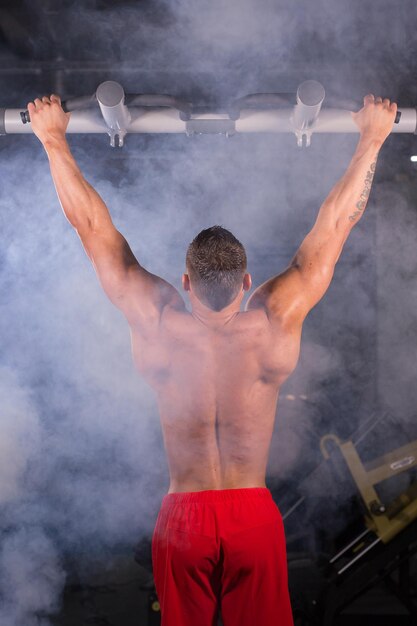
(289, 296)
(140, 295)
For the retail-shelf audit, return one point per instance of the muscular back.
(217, 386)
(217, 389)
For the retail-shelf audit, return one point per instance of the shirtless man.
(219, 540)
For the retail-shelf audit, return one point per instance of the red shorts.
(221, 551)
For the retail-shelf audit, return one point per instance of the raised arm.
(288, 297)
(140, 295)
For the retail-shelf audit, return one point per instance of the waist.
(216, 495)
(203, 481)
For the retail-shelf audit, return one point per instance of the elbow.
(326, 273)
(322, 273)
(343, 229)
(84, 228)
(318, 272)
(345, 224)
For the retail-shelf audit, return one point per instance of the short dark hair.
(216, 263)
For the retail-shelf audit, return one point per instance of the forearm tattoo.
(360, 206)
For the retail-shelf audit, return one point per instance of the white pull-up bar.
(118, 114)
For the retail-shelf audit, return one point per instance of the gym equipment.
(383, 521)
(376, 548)
(109, 110)
(389, 541)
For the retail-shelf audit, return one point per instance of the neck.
(214, 318)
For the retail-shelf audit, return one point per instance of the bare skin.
(216, 375)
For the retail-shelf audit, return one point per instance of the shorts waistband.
(216, 495)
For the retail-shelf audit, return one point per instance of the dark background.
(82, 462)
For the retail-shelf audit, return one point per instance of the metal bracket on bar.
(150, 100)
(310, 96)
(210, 126)
(110, 97)
(261, 101)
(303, 138)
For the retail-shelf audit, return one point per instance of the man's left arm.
(289, 296)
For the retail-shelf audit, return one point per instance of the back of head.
(216, 263)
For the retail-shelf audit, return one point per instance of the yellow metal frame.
(384, 521)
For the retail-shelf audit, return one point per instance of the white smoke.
(82, 466)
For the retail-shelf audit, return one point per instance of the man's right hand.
(376, 118)
(48, 119)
